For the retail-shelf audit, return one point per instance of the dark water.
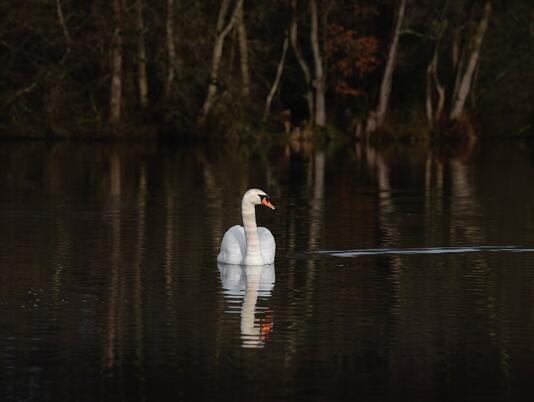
(399, 274)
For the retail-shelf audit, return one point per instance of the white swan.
(250, 245)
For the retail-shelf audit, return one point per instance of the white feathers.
(248, 244)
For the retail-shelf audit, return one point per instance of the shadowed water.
(404, 273)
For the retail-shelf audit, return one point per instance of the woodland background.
(256, 69)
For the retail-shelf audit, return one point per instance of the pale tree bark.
(141, 56)
(222, 31)
(464, 85)
(429, 103)
(171, 48)
(115, 102)
(276, 82)
(434, 109)
(387, 79)
(61, 18)
(433, 84)
(319, 78)
(243, 52)
(293, 35)
(455, 48)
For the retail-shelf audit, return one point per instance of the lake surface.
(403, 273)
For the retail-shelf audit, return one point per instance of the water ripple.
(423, 250)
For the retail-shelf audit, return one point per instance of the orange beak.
(267, 203)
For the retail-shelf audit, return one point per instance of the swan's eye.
(262, 197)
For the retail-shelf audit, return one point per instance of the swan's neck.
(251, 233)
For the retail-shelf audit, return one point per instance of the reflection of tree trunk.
(319, 79)
(276, 82)
(464, 84)
(169, 243)
(243, 52)
(61, 256)
(222, 31)
(434, 194)
(463, 202)
(137, 285)
(141, 56)
(168, 269)
(115, 176)
(386, 203)
(390, 225)
(114, 297)
(171, 49)
(316, 208)
(215, 201)
(318, 193)
(116, 66)
(293, 34)
(385, 86)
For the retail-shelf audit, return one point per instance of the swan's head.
(257, 197)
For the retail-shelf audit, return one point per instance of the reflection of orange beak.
(267, 203)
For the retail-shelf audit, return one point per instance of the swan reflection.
(247, 283)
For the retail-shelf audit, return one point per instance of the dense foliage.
(139, 67)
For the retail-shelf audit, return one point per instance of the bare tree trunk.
(455, 48)
(243, 52)
(276, 82)
(319, 79)
(61, 19)
(385, 87)
(171, 48)
(217, 54)
(433, 83)
(429, 105)
(465, 83)
(293, 35)
(141, 56)
(116, 67)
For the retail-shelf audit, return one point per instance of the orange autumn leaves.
(350, 57)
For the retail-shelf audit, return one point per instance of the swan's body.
(234, 247)
(249, 244)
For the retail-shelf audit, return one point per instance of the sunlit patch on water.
(423, 250)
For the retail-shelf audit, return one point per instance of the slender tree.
(293, 35)
(142, 81)
(222, 31)
(387, 79)
(435, 89)
(243, 52)
(276, 81)
(434, 108)
(116, 66)
(463, 87)
(61, 18)
(319, 77)
(171, 48)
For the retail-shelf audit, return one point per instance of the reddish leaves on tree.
(350, 57)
